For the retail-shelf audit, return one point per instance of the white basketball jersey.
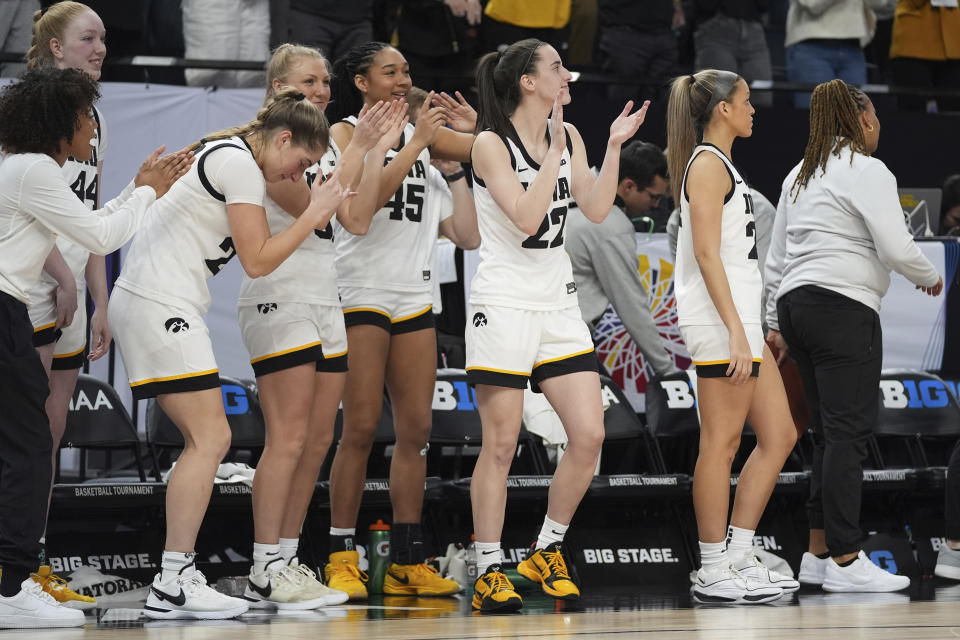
(738, 252)
(397, 251)
(517, 270)
(309, 274)
(185, 238)
(83, 180)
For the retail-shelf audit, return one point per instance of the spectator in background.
(226, 30)
(825, 40)
(16, 31)
(604, 256)
(925, 51)
(950, 207)
(333, 26)
(636, 40)
(730, 36)
(508, 21)
(440, 37)
(583, 32)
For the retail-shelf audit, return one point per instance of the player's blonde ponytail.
(49, 24)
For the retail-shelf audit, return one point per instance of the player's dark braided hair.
(835, 109)
(346, 99)
(42, 111)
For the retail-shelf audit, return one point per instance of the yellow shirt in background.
(538, 14)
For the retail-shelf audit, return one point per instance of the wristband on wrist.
(453, 177)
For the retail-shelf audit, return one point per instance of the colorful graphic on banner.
(618, 352)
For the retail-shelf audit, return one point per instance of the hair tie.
(298, 96)
(693, 78)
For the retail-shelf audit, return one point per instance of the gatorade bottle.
(379, 552)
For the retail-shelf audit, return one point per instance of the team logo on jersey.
(479, 320)
(571, 287)
(267, 307)
(426, 275)
(176, 325)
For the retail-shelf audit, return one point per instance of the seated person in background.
(950, 207)
(604, 256)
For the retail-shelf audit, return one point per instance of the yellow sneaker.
(57, 587)
(343, 574)
(417, 580)
(493, 591)
(547, 567)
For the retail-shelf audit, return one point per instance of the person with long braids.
(158, 303)
(292, 325)
(45, 118)
(385, 276)
(718, 290)
(70, 35)
(838, 233)
(525, 322)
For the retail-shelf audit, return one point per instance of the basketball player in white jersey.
(524, 322)
(213, 213)
(385, 276)
(292, 326)
(718, 291)
(70, 35)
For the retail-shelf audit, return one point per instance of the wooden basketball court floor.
(930, 610)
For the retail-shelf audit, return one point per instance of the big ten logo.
(82, 401)
(767, 543)
(681, 394)
(884, 559)
(629, 556)
(917, 394)
(609, 398)
(454, 395)
(234, 400)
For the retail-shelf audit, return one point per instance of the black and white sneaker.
(189, 596)
(753, 569)
(725, 585)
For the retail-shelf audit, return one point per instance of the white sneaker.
(948, 563)
(284, 588)
(316, 588)
(32, 608)
(813, 570)
(752, 569)
(863, 576)
(725, 585)
(189, 596)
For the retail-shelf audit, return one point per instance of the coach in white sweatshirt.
(839, 231)
(44, 119)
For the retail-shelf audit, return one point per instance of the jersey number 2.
(751, 227)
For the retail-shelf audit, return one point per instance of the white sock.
(713, 554)
(488, 553)
(739, 544)
(172, 563)
(288, 549)
(551, 532)
(263, 555)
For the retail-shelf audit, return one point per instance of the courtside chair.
(97, 419)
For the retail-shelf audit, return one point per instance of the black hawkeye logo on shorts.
(267, 307)
(176, 325)
(479, 320)
(571, 287)
(177, 601)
